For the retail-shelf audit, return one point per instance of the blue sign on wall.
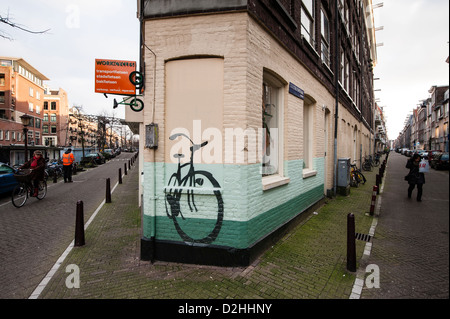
(295, 90)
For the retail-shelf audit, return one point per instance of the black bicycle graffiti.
(200, 182)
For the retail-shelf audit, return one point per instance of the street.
(34, 236)
(411, 241)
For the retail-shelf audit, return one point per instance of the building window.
(2, 79)
(2, 97)
(53, 106)
(38, 109)
(31, 91)
(30, 107)
(45, 117)
(325, 31)
(307, 21)
(272, 110)
(45, 129)
(53, 128)
(308, 133)
(45, 105)
(37, 123)
(52, 117)
(37, 138)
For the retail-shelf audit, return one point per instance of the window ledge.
(309, 173)
(270, 182)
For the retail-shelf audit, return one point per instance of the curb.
(361, 272)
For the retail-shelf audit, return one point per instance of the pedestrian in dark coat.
(415, 177)
(37, 165)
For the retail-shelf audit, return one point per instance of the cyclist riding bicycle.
(37, 165)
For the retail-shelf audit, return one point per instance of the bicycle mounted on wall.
(137, 105)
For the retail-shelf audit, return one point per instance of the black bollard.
(120, 176)
(129, 165)
(377, 179)
(351, 243)
(108, 190)
(79, 225)
(55, 178)
(125, 168)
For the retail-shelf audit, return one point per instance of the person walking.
(68, 160)
(415, 177)
(37, 165)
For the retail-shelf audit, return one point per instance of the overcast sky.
(412, 59)
(80, 32)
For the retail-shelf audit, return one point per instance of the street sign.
(113, 77)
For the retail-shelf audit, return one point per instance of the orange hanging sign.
(113, 77)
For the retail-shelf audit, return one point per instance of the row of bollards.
(351, 233)
(79, 220)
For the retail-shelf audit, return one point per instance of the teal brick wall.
(249, 213)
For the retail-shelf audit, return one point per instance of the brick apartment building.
(427, 127)
(55, 118)
(21, 92)
(279, 89)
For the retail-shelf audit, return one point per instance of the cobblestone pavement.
(308, 263)
(411, 245)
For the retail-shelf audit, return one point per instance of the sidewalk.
(308, 263)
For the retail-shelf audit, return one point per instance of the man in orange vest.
(68, 160)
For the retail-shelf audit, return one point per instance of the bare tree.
(7, 20)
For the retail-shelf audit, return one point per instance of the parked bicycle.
(356, 177)
(369, 163)
(25, 188)
(54, 168)
(194, 183)
(136, 104)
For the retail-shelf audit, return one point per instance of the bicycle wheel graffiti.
(181, 192)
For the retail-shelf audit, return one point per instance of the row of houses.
(53, 124)
(426, 128)
(249, 107)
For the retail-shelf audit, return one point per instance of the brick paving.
(308, 263)
(410, 247)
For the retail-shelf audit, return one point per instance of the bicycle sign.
(181, 197)
(120, 78)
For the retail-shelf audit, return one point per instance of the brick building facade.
(261, 97)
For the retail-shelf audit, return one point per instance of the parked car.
(109, 153)
(98, 157)
(440, 161)
(7, 180)
(431, 154)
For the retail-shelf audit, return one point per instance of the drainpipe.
(153, 151)
(336, 80)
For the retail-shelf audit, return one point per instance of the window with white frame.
(272, 110)
(325, 31)
(307, 21)
(308, 133)
(31, 91)
(30, 107)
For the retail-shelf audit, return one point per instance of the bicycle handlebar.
(194, 146)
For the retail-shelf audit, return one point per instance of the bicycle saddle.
(178, 155)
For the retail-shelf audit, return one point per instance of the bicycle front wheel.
(42, 190)
(19, 195)
(199, 204)
(137, 105)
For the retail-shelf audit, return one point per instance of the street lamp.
(26, 119)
